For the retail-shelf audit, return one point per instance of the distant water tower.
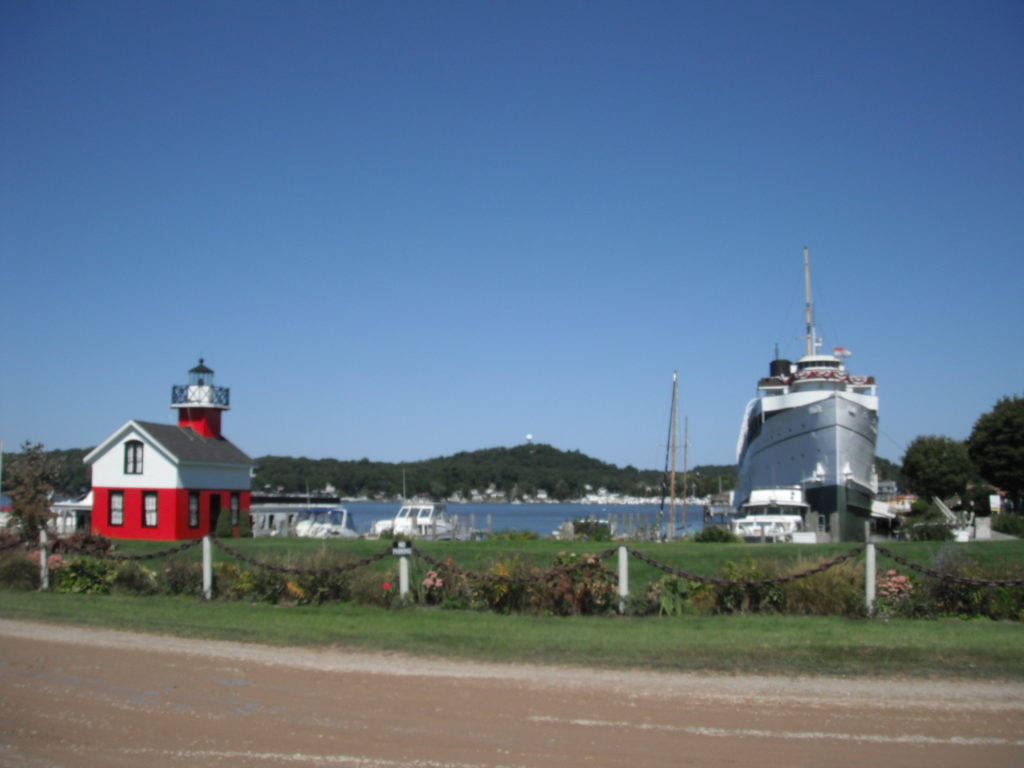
(529, 438)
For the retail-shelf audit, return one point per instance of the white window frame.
(115, 508)
(150, 509)
(133, 457)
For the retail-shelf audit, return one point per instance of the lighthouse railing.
(185, 394)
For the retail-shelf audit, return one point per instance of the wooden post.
(623, 579)
(869, 578)
(44, 559)
(207, 568)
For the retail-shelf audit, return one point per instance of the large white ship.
(813, 425)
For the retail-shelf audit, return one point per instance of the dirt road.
(83, 697)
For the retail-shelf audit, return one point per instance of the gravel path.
(91, 697)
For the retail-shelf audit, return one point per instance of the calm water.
(542, 518)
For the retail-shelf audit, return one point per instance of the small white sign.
(401, 548)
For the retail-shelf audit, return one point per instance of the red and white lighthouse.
(199, 402)
(171, 482)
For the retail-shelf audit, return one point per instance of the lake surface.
(542, 518)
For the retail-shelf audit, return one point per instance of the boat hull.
(825, 445)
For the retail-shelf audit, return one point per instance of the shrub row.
(575, 584)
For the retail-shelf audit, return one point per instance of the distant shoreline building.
(169, 482)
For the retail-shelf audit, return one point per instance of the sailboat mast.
(686, 456)
(675, 432)
(807, 305)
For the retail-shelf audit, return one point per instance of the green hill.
(514, 472)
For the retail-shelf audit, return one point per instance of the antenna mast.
(807, 306)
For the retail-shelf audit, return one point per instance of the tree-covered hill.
(521, 471)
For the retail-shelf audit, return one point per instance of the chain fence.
(139, 557)
(592, 561)
(838, 560)
(275, 568)
(947, 577)
(100, 548)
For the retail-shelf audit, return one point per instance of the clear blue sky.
(400, 230)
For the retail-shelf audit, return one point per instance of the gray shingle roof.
(188, 446)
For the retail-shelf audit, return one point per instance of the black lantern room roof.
(201, 368)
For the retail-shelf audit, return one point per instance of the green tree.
(996, 446)
(28, 482)
(937, 466)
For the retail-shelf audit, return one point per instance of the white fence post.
(403, 577)
(869, 578)
(623, 578)
(44, 560)
(207, 569)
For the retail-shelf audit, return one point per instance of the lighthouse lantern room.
(170, 482)
(199, 402)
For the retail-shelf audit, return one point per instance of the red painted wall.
(204, 421)
(172, 513)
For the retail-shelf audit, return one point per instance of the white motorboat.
(772, 514)
(416, 519)
(333, 523)
(303, 521)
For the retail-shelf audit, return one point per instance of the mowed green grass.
(776, 645)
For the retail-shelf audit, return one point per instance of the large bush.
(86, 575)
(1008, 523)
(580, 585)
(18, 572)
(929, 532)
(716, 534)
(761, 598)
(134, 579)
(838, 591)
(592, 530)
(506, 591)
(180, 576)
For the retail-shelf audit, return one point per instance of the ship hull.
(826, 445)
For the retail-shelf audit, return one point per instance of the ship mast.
(811, 341)
(675, 432)
(686, 452)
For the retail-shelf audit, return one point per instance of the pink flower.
(387, 585)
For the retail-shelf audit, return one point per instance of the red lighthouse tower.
(199, 402)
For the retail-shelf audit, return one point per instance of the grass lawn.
(777, 645)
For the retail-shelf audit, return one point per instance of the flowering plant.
(53, 561)
(894, 590)
(432, 586)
